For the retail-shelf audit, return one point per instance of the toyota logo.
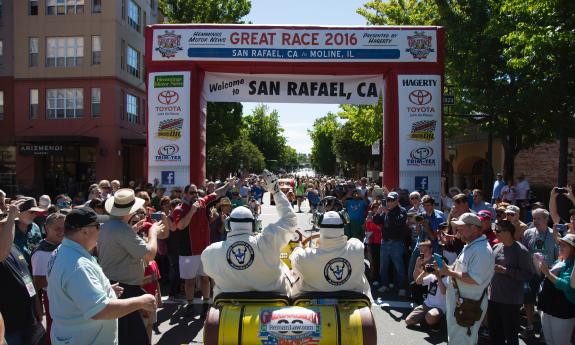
(421, 152)
(168, 150)
(420, 97)
(168, 97)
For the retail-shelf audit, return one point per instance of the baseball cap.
(82, 216)
(392, 195)
(44, 202)
(468, 219)
(484, 214)
(512, 209)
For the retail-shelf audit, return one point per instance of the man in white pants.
(248, 262)
(337, 265)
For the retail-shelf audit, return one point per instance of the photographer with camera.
(540, 240)
(562, 209)
(433, 308)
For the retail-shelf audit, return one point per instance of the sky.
(297, 118)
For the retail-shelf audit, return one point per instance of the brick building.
(72, 92)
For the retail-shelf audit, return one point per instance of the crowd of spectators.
(507, 256)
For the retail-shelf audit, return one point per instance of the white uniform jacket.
(244, 262)
(337, 265)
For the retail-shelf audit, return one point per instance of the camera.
(157, 216)
(560, 190)
(418, 218)
(421, 256)
(429, 268)
(539, 244)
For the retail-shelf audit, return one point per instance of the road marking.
(394, 304)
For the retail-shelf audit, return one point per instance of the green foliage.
(322, 153)
(223, 123)
(400, 12)
(222, 158)
(351, 152)
(365, 121)
(205, 11)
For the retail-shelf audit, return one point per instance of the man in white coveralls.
(249, 262)
(336, 265)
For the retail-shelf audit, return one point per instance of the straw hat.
(123, 203)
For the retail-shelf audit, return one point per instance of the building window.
(96, 100)
(96, 6)
(96, 50)
(122, 104)
(65, 103)
(132, 108)
(134, 15)
(1, 52)
(33, 112)
(1, 105)
(133, 62)
(64, 51)
(33, 7)
(123, 55)
(63, 7)
(33, 51)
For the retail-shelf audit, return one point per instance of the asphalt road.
(175, 329)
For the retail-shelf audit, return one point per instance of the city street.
(389, 316)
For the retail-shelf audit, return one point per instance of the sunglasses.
(390, 199)
(414, 198)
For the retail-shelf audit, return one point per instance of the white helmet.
(331, 225)
(241, 220)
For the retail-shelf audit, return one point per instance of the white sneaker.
(383, 288)
(402, 293)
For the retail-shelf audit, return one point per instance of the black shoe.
(189, 311)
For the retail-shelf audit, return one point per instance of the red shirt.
(199, 228)
(491, 237)
(151, 287)
(370, 226)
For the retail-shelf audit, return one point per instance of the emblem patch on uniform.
(337, 271)
(240, 255)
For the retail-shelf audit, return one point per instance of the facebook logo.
(168, 178)
(421, 183)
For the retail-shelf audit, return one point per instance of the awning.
(135, 142)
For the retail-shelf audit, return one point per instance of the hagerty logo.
(168, 153)
(169, 44)
(170, 129)
(423, 130)
(419, 45)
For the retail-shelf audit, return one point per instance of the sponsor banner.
(420, 138)
(290, 325)
(170, 176)
(168, 123)
(294, 44)
(428, 181)
(226, 87)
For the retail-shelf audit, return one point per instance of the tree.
(223, 123)
(543, 43)
(353, 154)
(222, 158)
(205, 11)
(366, 121)
(264, 131)
(323, 157)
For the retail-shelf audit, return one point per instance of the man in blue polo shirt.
(83, 304)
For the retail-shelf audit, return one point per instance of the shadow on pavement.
(184, 329)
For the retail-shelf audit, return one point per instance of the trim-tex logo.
(168, 153)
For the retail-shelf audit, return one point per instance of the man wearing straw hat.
(122, 254)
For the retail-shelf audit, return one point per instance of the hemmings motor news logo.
(423, 130)
(168, 153)
(419, 45)
(421, 157)
(170, 129)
